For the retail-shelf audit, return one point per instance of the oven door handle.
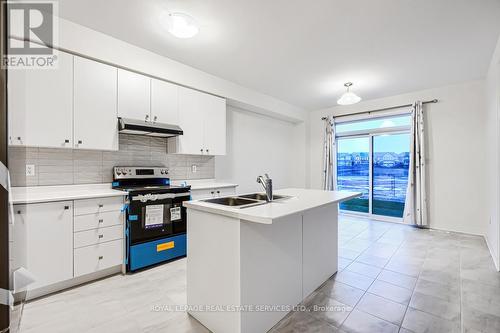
(154, 197)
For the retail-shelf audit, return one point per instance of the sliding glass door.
(373, 158)
(391, 159)
(353, 171)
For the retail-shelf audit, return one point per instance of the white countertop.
(302, 200)
(34, 194)
(203, 184)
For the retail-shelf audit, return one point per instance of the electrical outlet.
(30, 170)
(194, 168)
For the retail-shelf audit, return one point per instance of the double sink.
(246, 200)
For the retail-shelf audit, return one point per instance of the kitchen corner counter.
(37, 194)
(301, 200)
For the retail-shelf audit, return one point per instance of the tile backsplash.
(57, 166)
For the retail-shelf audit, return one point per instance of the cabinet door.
(191, 120)
(95, 123)
(215, 124)
(41, 105)
(44, 234)
(164, 102)
(133, 95)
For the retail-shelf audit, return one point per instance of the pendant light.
(348, 97)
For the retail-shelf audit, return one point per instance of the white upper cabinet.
(134, 95)
(191, 142)
(164, 102)
(215, 124)
(77, 105)
(96, 125)
(202, 117)
(41, 105)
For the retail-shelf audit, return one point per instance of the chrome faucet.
(267, 184)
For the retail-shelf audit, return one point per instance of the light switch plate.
(30, 170)
(194, 168)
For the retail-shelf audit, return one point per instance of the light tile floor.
(392, 278)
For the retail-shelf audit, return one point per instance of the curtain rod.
(384, 109)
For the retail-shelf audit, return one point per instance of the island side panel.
(320, 246)
(271, 269)
(213, 268)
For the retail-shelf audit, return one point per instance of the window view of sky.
(373, 123)
(385, 143)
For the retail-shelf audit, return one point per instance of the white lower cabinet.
(43, 241)
(99, 205)
(99, 233)
(97, 220)
(59, 241)
(97, 236)
(215, 192)
(90, 259)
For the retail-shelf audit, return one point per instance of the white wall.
(91, 43)
(493, 149)
(257, 144)
(456, 152)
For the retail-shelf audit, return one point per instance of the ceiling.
(302, 51)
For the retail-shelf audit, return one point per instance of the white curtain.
(329, 158)
(416, 194)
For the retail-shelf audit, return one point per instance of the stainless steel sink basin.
(236, 202)
(247, 200)
(262, 196)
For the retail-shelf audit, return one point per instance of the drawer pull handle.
(101, 220)
(101, 205)
(101, 257)
(66, 207)
(218, 192)
(19, 212)
(100, 236)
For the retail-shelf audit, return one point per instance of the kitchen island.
(248, 267)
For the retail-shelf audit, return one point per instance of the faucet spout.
(267, 184)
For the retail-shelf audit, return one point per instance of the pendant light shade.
(348, 97)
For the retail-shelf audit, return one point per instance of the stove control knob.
(124, 172)
(162, 172)
(118, 172)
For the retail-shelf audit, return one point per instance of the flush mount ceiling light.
(182, 25)
(348, 97)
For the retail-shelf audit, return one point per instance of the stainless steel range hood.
(140, 127)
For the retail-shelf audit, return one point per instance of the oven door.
(152, 216)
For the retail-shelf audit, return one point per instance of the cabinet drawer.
(96, 236)
(225, 191)
(92, 206)
(201, 194)
(212, 193)
(98, 220)
(93, 258)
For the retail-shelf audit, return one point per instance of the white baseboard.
(59, 286)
